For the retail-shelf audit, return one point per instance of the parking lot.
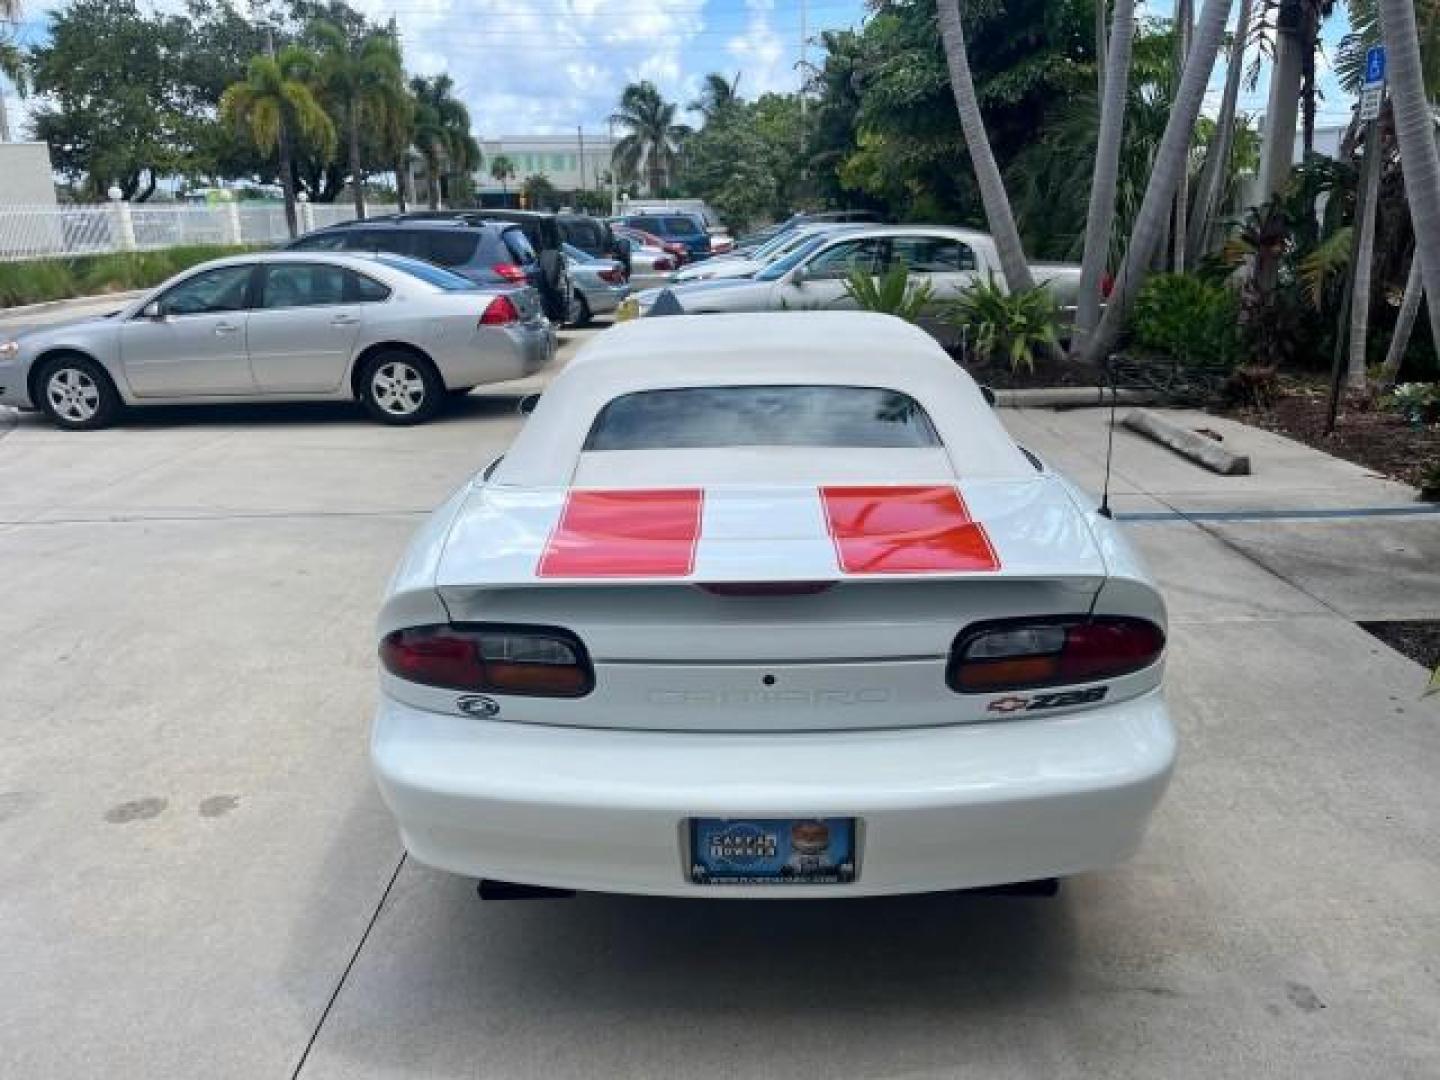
(197, 877)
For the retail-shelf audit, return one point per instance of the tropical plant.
(1183, 318)
(12, 67)
(1100, 218)
(502, 169)
(442, 134)
(363, 79)
(1321, 268)
(1011, 328)
(718, 96)
(1418, 402)
(652, 137)
(1414, 125)
(275, 106)
(1171, 158)
(987, 174)
(892, 293)
(540, 193)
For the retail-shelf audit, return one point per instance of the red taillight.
(500, 312)
(613, 277)
(1107, 285)
(529, 661)
(663, 266)
(510, 272)
(1021, 654)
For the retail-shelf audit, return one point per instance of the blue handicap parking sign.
(1375, 64)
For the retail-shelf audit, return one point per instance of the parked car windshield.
(681, 226)
(721, 416)
(426, 272)
(780, 267)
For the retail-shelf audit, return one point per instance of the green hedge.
(36, 280)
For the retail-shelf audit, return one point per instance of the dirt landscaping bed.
(1378, 439)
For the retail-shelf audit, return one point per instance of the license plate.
(772, 851)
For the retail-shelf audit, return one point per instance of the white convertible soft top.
(812, 348)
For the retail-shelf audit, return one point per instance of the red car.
(640, 236)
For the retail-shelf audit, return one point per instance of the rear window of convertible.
(719, 416)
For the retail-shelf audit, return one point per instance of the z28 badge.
(1014, 703)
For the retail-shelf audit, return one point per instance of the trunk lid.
(863, 643)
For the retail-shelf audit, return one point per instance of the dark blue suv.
(674, 226)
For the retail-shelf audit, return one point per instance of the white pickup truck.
(813, 275)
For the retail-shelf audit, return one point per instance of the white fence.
(32, 232)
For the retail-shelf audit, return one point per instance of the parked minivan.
(487, 254)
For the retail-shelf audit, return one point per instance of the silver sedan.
(394, 333)
(600, 284)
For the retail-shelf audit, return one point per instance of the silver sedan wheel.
(398, 388)
(72, 393)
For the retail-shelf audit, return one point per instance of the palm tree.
(502, 169)
(442, 133)
(1350, 66)
(1170, 159)
(12, 64)
(1101, 216)
(718, 95)
(1364, 253)
(274, 105)
(1415, 130)
(987, 173)
(365, 81)
(1184, 16)
(1217, 155)
(651, 135)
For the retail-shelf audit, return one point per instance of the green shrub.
(1183, 318)
(1011, 328)
(1418, 402)
(892, 294)
(37, 280)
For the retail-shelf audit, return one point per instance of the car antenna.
(1108, 365)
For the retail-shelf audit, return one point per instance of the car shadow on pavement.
(477, 405)
(836, 987)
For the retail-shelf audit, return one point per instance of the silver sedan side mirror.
(152, 311)
(798, 276)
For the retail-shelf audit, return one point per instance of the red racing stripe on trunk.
(624, 534)
(905, 530)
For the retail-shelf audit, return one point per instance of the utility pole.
(580, 133)
(614, 193)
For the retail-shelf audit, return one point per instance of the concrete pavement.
(197, 877)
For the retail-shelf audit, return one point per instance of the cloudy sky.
(531, 67)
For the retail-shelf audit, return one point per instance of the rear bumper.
(940, 808)
(500, 353)
(603, 299)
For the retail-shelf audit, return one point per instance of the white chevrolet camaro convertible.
(770, 605)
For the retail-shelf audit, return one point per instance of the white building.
(558, 157)
(29, 180)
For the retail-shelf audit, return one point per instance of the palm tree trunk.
(1277, 150)
(1102, 49)
(1419, 156)
(1311, 32)
(1165, 176)
(1100, 219)
(987, 173)
(1364, 256)
(432, 178)
(357, 177)
(1404, 325)
(287, 179)
(1217, 160)
(1184, 17)
(4, 118)
(402, 181)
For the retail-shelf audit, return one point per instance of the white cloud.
(761, 55)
